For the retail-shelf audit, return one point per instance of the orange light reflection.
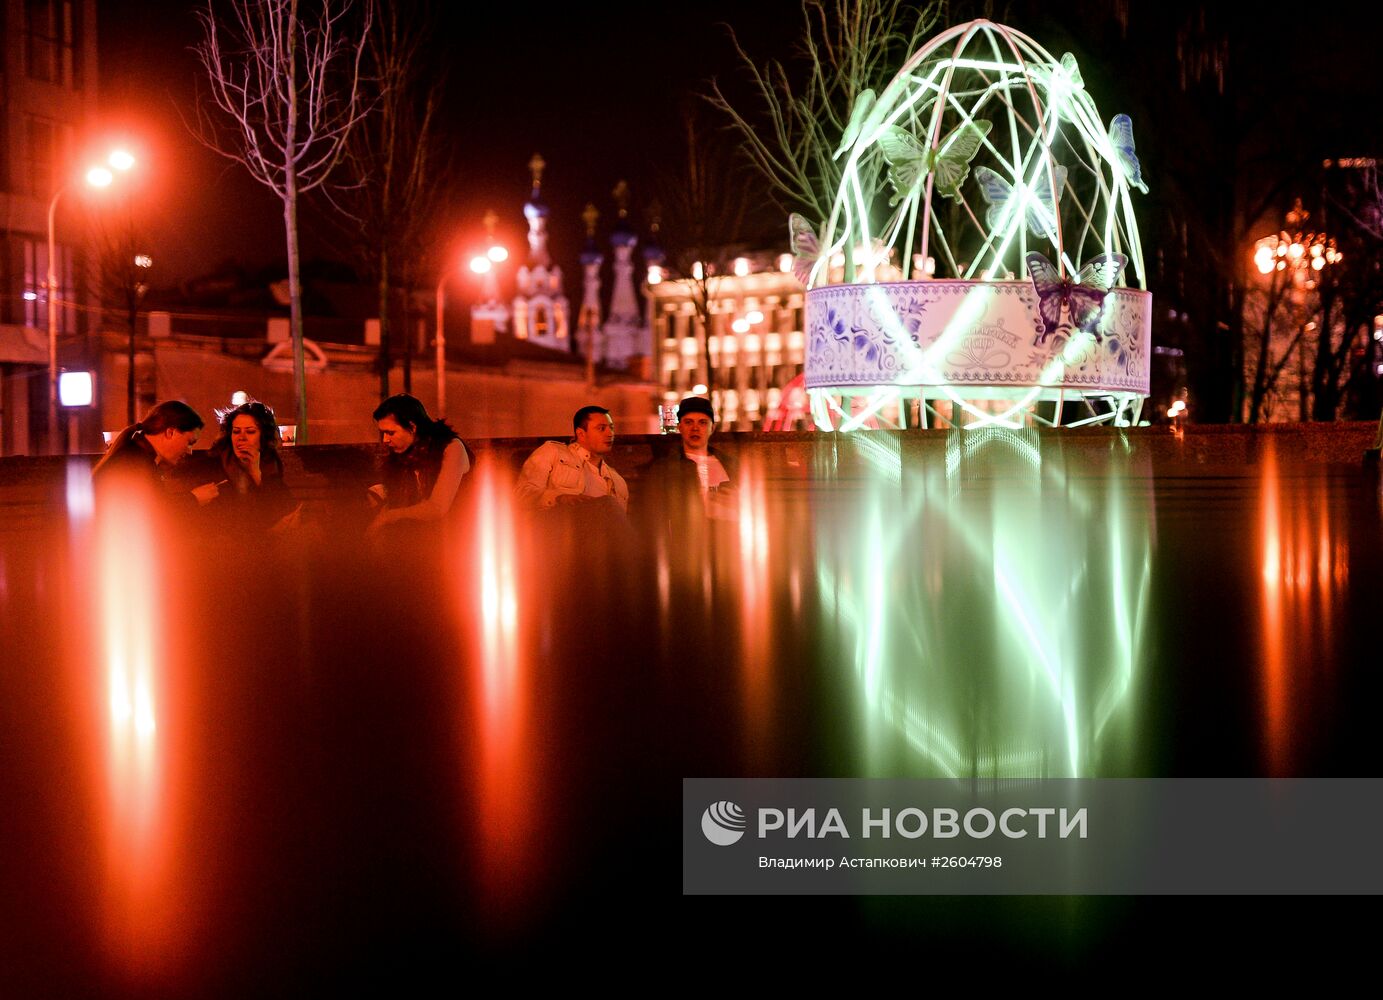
(131, 630)
(1274, 660)
(1303, 569)
(506, 814)
(756, 653)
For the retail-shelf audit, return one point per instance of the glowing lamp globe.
(76, 389)
(981, 253)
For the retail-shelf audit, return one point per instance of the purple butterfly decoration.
(806, 248)
(1081, 298)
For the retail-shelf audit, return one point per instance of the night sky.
(595, 89)
(596, 95)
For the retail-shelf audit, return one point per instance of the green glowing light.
(1018, 664)
(1052, 176)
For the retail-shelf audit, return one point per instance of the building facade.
(47, 110)
(752, 350)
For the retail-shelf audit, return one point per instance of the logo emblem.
(723, 823)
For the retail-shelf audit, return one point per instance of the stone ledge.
(31, 488)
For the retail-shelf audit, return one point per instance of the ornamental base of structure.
(980, 346)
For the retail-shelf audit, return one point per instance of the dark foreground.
(239, 768)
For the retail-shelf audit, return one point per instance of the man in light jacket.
(575, 473)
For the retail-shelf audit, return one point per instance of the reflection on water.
(506, 798)
(298, 751)
(754, 576)
(991, 605)
(1305, 570)
(132, 596)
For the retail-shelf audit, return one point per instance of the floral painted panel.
(970, 333)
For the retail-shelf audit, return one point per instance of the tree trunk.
(409, 339)
(385, 360)
(1260, 371)
(290, 225)
(295, 300)
(1325, 378)
(702, 293)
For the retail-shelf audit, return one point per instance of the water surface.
(234, 765)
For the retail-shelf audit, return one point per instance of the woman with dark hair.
(141, 453)
(248, 452)
(423, 469)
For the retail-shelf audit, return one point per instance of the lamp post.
(99, 176)
(1298, 259)
(1303, 253)
(482, 264)
(133, 298)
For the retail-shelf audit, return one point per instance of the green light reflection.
(990, 603)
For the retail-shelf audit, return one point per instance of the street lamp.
(1304, 253)
(98, 176)
(1298, 258)
(488, 314)
(482, 264)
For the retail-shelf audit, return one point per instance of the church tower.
(540, 308)
(625, 334)
(588, 320)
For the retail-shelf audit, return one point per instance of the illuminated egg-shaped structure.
(981, 263)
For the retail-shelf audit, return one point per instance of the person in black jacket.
(140, 455)
(423, 468)
(694, 481)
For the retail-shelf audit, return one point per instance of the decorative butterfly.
(1072, 71)
(1039, 204)
(864, 104)
(909, 161)
(1064, 77)
(1082, 298)
(1121, 138)
(806, 248)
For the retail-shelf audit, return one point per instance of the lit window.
(75, 388)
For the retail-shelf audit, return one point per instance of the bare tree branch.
(283, 95)
(395, 163)
(791, 135)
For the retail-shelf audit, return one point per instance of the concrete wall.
(34, 490)
(522, 399)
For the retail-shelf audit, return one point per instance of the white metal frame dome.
(994, 153)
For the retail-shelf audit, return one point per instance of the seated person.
(247, 450)
(140, 455)
(558, 474)
(693, 479)
(424, 465)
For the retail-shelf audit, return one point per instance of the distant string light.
(1304, 253)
